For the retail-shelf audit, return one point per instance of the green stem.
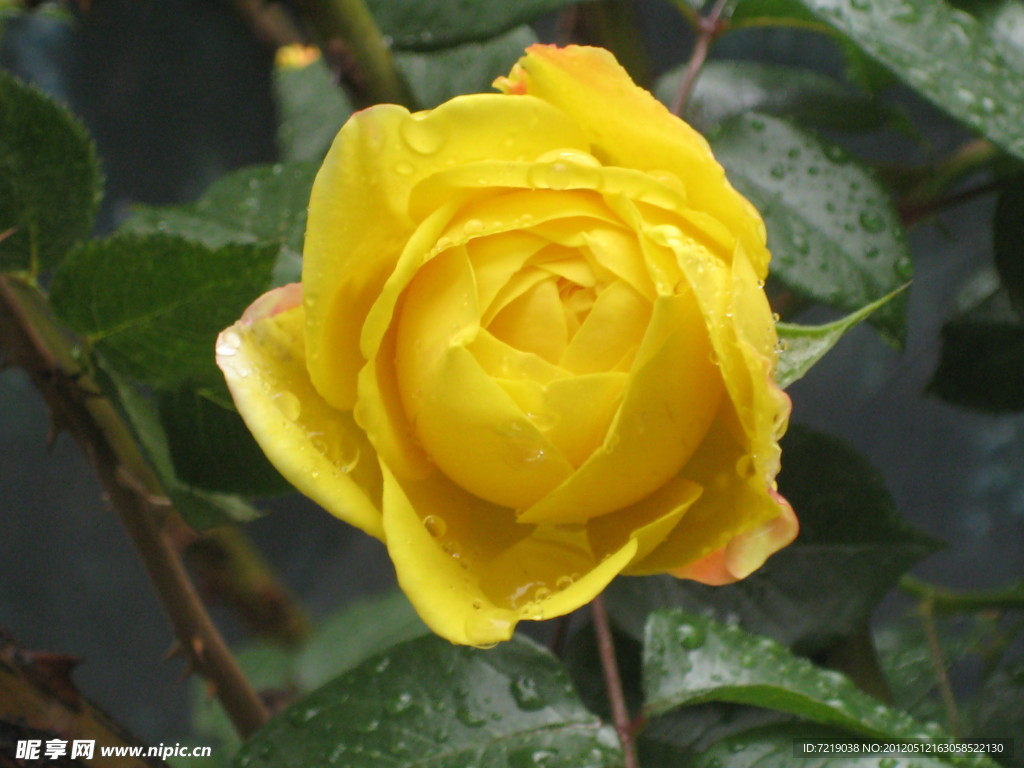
(945, 601)
(375, 78)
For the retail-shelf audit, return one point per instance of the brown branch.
(708, 28)
(34, 340)
(613, 683)
(38, 701)
(927, 613)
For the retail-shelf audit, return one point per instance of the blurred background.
(178, 92)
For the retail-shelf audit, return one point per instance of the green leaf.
(257, 204)
(212, 449)
(50, 182)
(834, 235)
(418, 26)
(778, 10)
(805, 345)
(343, 640)
(982, 360)
(200, 508)
(1004, 22)
(311, 110)
(471, 67)
(152, 305)
(430, 704)
(677, 737)
(773, 747)
(1008, 239)
(853, 547)
(690, 659)
(999, 711)
(354, 634)
(945, 54)
(726, 89)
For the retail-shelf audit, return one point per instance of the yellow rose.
(531, 349)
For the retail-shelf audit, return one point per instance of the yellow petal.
(359, 217)
(470, 427)
(616, 324)
(574, 413)
(737, 504)
(628, 127)
(472, 572)
(671, 399)
(534, 322)
(649, 521)
(317, 448)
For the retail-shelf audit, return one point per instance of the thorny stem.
(34, 340)
(613, 682)
(708, 28)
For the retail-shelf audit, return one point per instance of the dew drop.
(422, 135)
(467, 716)
(403, 168)
(543, 421)
(435, 525)
(228, 344)
(489, 626)
(903, 267)
(473, 227)
(564, 582)
(400, 704)
(746, 467)
(289, 405)
(691, 636)
(872, 221)
(347, 464)
(524, 691)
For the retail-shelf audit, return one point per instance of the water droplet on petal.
(746, 467)
(228, 344)
(403, 168)
(422, 135)
(436, 526)
(488, 626)
(289, 405)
